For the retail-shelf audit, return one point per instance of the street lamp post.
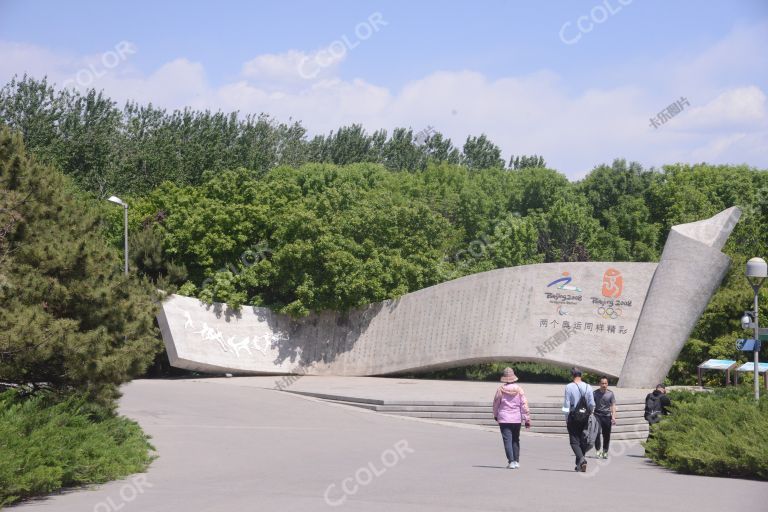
(117, 200)
(757, 271)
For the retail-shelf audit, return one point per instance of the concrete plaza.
(234, 444)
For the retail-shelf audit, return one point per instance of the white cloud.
(741, 107)
(292, 67)
(531, 113)
(20, 58)
(82, 71)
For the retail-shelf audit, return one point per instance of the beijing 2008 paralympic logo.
(564, 283)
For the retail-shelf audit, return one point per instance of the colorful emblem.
(565, 283)
(613, 283)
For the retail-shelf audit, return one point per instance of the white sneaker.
(517, 465)
(511, 465)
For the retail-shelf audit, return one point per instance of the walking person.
(605, 412)
(656, 404)
(578, 405)
(510, 410)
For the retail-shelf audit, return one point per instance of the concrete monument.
(626, 320)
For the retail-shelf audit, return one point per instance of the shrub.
(716, 434)
(49, 441)
(527, 372)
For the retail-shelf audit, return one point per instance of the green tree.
(481, 153)
(68, 316)
(567, 232)
(440, 149)
(537, 189)
(637, 237)
(299, 240)
(526, 161)
(606, 186)
(34, 109)
(401, 152)
(350, 144)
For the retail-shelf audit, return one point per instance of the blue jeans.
(510, 434)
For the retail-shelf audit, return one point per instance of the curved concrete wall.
(593, 315)
(690, 271)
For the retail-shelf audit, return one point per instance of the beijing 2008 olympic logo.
(609, 312)
(613, 285)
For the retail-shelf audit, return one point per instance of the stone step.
(558, 408)
(629, 436)
(557, 404)
(561, 429)
(337, 398)
(553, 411)
(547, 418)
(486, 419)
(560, 421)
(486, 423)
(630, 407)
(433, 408)
(370, 407)
(624, 417)
(617, 434)
(442, 415)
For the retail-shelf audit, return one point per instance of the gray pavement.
(225, 445)
(416, 390)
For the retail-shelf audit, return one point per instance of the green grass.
(49, 442)
(722, 433)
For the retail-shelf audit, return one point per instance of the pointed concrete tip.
(713, 231)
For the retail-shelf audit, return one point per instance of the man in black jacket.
(656, 404)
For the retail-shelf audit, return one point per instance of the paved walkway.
(227, 445)
(415, 390)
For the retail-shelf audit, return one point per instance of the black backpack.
(580, 413)
(652, 408)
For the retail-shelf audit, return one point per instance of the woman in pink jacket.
(510, 410)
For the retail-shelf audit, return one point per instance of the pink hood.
(510, 405)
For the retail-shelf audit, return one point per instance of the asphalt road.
(229, 447)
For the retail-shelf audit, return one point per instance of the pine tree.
(69, 318)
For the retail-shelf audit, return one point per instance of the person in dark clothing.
(574, 393)
(656, 406)
(605, 412)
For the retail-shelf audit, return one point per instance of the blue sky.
(521, 71)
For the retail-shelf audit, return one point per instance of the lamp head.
(117, 200)
(757, 271)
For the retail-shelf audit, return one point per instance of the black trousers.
(605, 433)
(510, 434)
(576, 438)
